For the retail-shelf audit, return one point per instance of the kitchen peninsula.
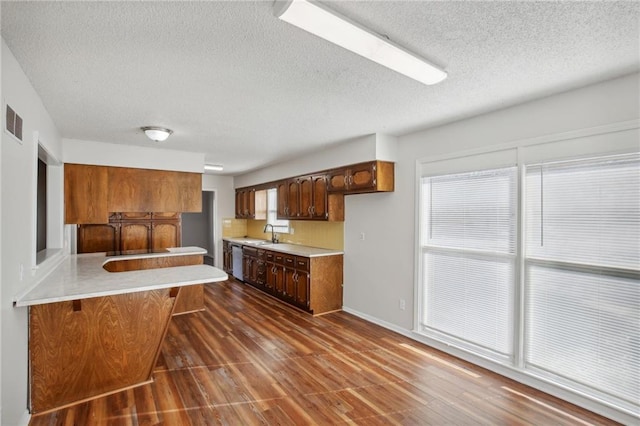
(93, 332)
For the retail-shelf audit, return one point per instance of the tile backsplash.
(234, 228)
(329, 235)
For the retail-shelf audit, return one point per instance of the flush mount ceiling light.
(213, 167)
(157, 134)
(331, 26)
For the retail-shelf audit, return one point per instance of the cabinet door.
(282, 200)
(260, 268)
(289, 291)
(319, 207)
(98, 238)
(246, 268)
(240, 205)
(250, 201)
(85, 194)
(270, 276)
(293, 199)
(278, 280)
(301, 279)
(305, 186)
(165, 234)
(337, 180)
(362, 176)
(135, 236)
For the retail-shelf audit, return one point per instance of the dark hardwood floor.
(251, 360)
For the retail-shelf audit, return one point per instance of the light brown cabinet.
(372, 176)
(92, 192)
(131, 231)
(98, 238)
(85, 194)
(135, 236)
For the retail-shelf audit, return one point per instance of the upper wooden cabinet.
(372, 176)
(306, 198)
(92, 192)
(142, 190)
(86, 194)
(251, 204)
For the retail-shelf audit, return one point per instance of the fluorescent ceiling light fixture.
(213, 167)
(157, 134)
(331, 26)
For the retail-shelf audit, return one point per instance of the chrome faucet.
(274, 236)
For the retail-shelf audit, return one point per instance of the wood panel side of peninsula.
(82, 349)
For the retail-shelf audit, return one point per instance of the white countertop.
(295, 249)
(82, 276)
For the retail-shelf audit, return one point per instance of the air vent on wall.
(14, 123)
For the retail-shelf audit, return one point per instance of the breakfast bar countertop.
(82, 276)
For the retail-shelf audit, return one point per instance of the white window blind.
(582, 269)
(469, 240)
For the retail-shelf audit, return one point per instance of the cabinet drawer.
(279, 258)
(289, 261)
(250, 251)
(262, 254)
(302, 263)
(270, 256)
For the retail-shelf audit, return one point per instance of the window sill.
(46, 256)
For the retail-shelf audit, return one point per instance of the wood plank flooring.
(252, 360)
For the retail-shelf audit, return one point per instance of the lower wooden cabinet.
(227, 257)
(131, 231)
(312, 284)
(98, 238)
(135, 236)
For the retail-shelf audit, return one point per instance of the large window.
(537, 266)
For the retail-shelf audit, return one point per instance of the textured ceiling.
(247, 89)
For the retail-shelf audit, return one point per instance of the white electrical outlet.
(362, 236)
(21, 271)
(402, 304)
(291, 231)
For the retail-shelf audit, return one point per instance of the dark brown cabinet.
(307, 198)
(245, 203)
(227, 257)
(372, 176)
(254, 269)
(312, 284)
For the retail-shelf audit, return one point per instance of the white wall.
(349, 152)
(18, 204)
(224, 206)
(119, 155)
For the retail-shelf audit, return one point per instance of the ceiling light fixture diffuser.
(325, 23)
(157, 134)
(213, 167)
